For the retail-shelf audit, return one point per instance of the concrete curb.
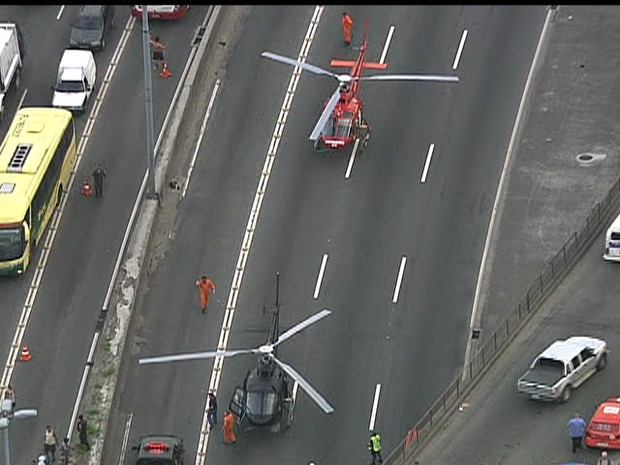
(102, 383)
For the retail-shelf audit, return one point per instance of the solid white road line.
(317, 288)
(460, 50)
(500, 187)
(399, 280)
(387, 44)
(21, 100)
(121, 458)
(427, 163)
(202, 131)
(352, 158)
(375, 405)
(89, 364)
(216, 373)
(62, 8)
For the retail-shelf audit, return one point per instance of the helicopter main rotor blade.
(320, 124)
(289, 61)
(409, 77)
(304, 324)
(194, 356)
(306, 386)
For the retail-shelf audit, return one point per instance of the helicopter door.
(236, 403)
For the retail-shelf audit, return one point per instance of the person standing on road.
(65, 452)
(9, 393)
(347, 25)
(374, 445)
(50, 442)
(604, 460)
(99, 177)
(229, 428)
(576, 429)
(82, 427)
(205, 286)
(212, 410)
(158, 52)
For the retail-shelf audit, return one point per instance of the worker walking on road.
(604, 460)
(229, 428)
(374, 445)
(212, 410)
(65, 452)
(347, 25)
(206, 287)
(99, 177)
(576, 429)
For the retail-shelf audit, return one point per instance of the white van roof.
(72, 58)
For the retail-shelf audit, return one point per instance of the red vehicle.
(342, 120)
(160, 11)
(604, 428)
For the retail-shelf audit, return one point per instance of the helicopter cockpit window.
(329, 130)
(261, 403)
(344, 127)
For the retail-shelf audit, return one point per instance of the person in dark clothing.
(82, 427)
(212, 410)
(99, 177)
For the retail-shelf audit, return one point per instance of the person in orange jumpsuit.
(347, 25)
(229, 428)
(205, 286)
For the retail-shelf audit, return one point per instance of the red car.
(161, 11)
(604, 428)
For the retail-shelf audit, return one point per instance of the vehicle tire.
(602, 363)
(18, 74)
(58, 197)
(566, 393)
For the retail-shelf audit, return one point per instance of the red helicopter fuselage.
(346, 120)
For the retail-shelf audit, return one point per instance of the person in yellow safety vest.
(374, 446)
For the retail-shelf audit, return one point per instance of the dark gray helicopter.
(266, 397)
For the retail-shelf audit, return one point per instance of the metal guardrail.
(552, 274)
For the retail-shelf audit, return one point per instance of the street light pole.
(8, 415)
(148, 91)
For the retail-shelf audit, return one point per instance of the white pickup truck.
(562, 367)
(75, 81)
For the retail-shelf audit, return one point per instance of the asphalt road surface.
(366, 224)
(548, 198)
(71, 293)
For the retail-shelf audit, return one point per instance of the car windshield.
(89, 22)
(261, 403)
(70, 86)
(11, 243)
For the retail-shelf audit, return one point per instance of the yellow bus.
(37, 156)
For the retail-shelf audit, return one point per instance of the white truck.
(10, 61)
(563, 367)
(75, 81)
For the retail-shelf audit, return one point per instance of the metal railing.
(552, 274)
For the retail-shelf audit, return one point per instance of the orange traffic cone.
(165, 73)
(86, 189)
(25, 355)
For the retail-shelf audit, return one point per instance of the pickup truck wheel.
(602, 363)
(566, 394)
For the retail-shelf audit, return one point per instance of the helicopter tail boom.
(351, 64)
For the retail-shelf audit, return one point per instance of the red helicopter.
(342, 120)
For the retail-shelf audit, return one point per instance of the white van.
(75, 81)
(612, 241)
